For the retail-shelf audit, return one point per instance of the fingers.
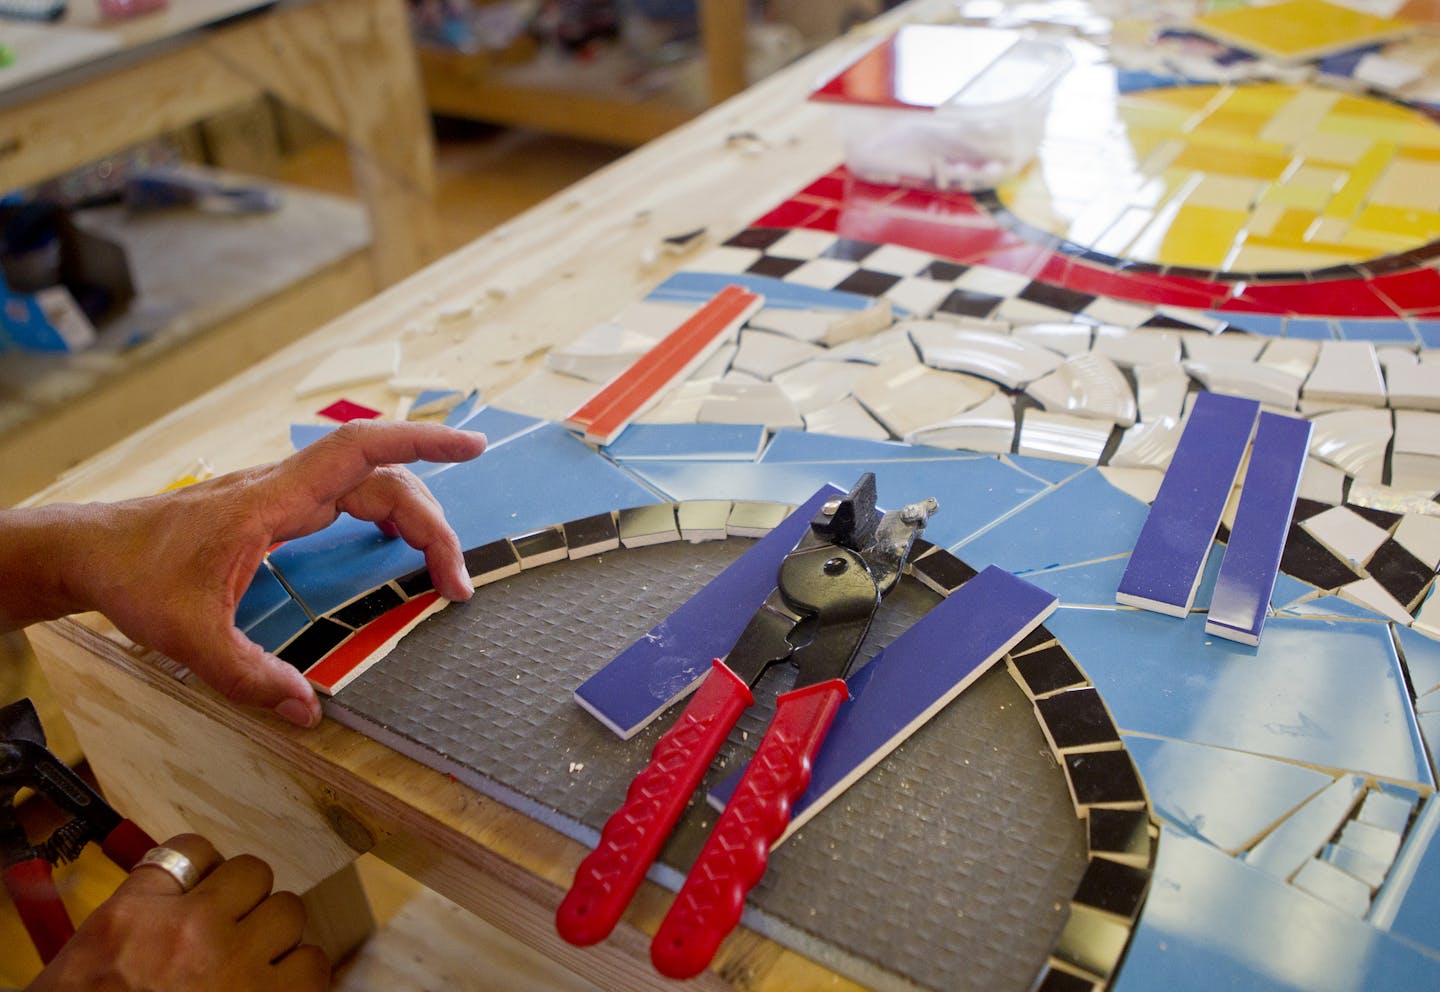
(274, 927)
(342, 459)
(305, 969)
(153, 880)
(242, 671)
(237, 886)
(394, 495)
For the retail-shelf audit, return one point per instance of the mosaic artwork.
(1200, 219)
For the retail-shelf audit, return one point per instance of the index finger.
(151, 880)
(343, 458)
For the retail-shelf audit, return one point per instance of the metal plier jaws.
(827, 590)
(25, 762)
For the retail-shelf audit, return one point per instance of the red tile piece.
(1409, 291)
(1332, 298)
(328, 673)
(346, 411)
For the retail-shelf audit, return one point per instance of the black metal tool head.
(849, 520)
(19, 721)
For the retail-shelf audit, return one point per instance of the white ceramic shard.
(1294, 355)
(989, 427)
(1160, 391)
(1370, 594)
(749, 403)
(1346, 533)
(846, 418)
(1223, 347)
(1420, 535)
(1354, 441)
(1392, 499)
(1010, 361)
(803, 325)
(1346, 372)
(1148, 445)
(856, 324)
(352, 366)
(1068, 438)
(1062, 338)
(764, 354)
(1270, 386)
(819, 383)
(546, 394)
(910, 398)
(1142, 346)
(1321, 482)
(1087, 385)
(891, 347)
(918, 297)
(1413, 384)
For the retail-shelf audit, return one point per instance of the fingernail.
(463, 586)
(296, 712)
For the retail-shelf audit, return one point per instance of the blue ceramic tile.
(638, 683)
(540, 478)
(1422, 659)
(1262, 520)
(1428, 332)
(1361, 866)
(1212, 923)
(263, 596)
(278, 626)
(1048, 469)
(1326, 694)
(1430, 728)
(797, 447)
(1379, 331)
(1330, 606)
(1228, 798)
(304, 435)
(463, 410)
(709, 442)
(1409, 903)
(496, 424)
(1288, 589)
(913, 678)
(972, 492)
(1284, 850)
(1092, 583)
(1256, 323)
(1205, 591)
(1172, 547)
(1082, 520)
(427, 396)
(699, 287)
(1313, 330)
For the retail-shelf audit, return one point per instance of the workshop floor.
(484, 177)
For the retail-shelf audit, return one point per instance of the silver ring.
(174, 864)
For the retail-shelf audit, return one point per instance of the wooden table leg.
(339, 918)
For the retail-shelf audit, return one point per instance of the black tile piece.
(645, 525)
(368, 607)
(592, 535)
(1308, 560)
(1047, 670)
(1191, 272)
(1170, 324)
(416, 582)
(944, 271)
(1055, 980)
(1113, 887)
(1307, 508)
(540, 546)
(968, 303)
(1092, 941)
(1038, 637)
(774, 266)
(1383, 519)
(1104, 778)
(1077, 718)
(1050, 295)
(867, 282)
(1334, 272)
(942, 571)
(492, 560)
(849, 250)
(313, 643)
(1121, 834)
(1277, 275)
(1402, 574)
(919, 548)
(1099, 258)
(757, 237)
(1390, 264)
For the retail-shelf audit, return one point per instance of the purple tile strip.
(1252, 555)
(1169, 556)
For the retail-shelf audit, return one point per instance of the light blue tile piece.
(463, 410)
(1288, 589)
(1430, 730)
(278, 626)
(1428, 703)
(1305, 832)
(1331, 606)
(1256, 323)
(1205, 591)
(304, 435)
(1387, 810)
(1353, 862)
(1313, 330)
(543, 477)
(1409, 903)
(1228, 798)
(799, 446)
(1380, 331)
(972, 492)
(709, 442)
(1422, 659)
(1172, 548)
(1081, 520)
(263, 596)
(426, 396)
(1212, 923)
(1092, 583)
(496, 424)
(699, 287)
(1429, 332)
(1326, 694)
(1049, 469)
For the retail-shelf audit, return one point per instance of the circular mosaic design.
(1257, 178)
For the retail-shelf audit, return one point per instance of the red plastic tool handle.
(32, 888)
(735, 855)
(608, 877)
(126, 845)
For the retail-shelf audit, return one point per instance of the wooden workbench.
(176, 757)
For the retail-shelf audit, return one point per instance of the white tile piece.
(996, 282)
(822, 273)
(1387, 811)
(1160, 391)
(1386, 73)
(919, 297)
(548, 395)
(1107, 311)
(1373, 596)
(1427, 618)
(908, 399)
(1294, 355)
(1338, 888)
(1413, 385)
(1392, 500)
(1421, 537)
(1063, 337)
(801, 242)
(896, 260)
(1142, 483)
(1148, 445)
(681, 405)
(746, 403)
(654, 319)
(764, 354)
(352, 366)
(716, 365)
(1010, 361)
(1087, 385)
(1300, 836)
(1370, 838)
(892, 347)
(1415, 473)
(1322, 482)
(989, 427)
(1269, 386)
(1394, 354)
(803, 325)
(727, 258)
(846, 418)
(1021, 311)
(1142, 346)
(600, 353)
(859, 324)
(1062, 436)
(1193, 317)
(1346, 372)
(819, 383)
(1354, 441)
(737, 377)
(1347, 534)
(1223, 347)
(1417, 433)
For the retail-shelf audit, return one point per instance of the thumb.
(247, 674)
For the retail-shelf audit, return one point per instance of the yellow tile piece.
(1298, 30)
(1293, 226)
(1306, 107)
(1290, 194)
(1255, 256)
(1264, 218)
(1417, 226)
(1409, 182)
(1378, 130)
(1351, 197)
(1328, 231)
(1319, 177)
(1226, 192)
(1233, 163)
(1201, 236)
(1328, 149)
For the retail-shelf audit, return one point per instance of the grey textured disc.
(949, 867)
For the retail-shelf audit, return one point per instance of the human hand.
(229, 933)
(169, 570)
